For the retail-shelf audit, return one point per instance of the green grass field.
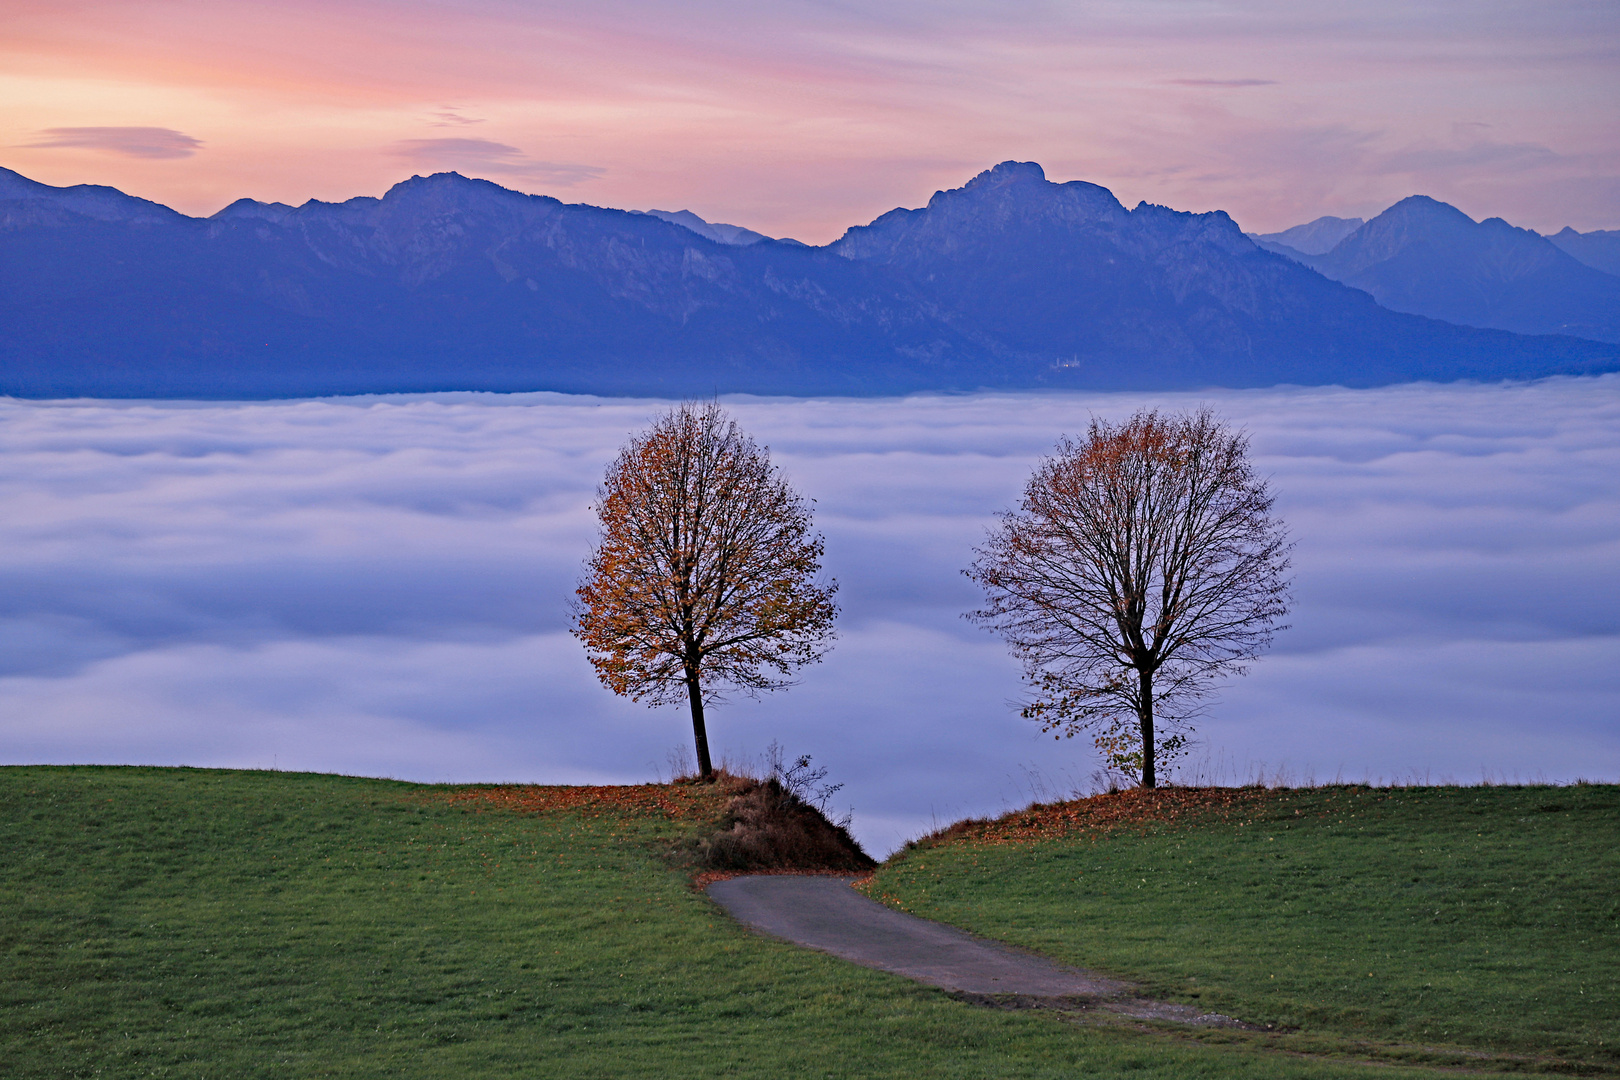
(1483, 917)
(193, 923)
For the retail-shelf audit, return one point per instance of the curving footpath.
(823, 912)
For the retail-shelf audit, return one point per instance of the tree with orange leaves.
(705, 575)
(1143, 563)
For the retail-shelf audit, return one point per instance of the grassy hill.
(1392, 923)
(198, 923)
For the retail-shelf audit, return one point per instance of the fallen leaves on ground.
(675, 802)
(1135, 808)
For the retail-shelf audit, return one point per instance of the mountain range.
(450, 283)
(1312, 238)
(1429, 258)
(1599, 249)
(718, 231)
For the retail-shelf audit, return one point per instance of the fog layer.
(378, 586)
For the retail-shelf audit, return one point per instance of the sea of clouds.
(379, 586)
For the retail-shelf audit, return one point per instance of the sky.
(803, 117)
(378, 586)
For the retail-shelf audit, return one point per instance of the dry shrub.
(758, 824)
(769, 827)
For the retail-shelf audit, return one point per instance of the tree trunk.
(700, 735)
(1144, 712)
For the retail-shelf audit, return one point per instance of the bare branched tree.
(1142, 564)
(705, 576)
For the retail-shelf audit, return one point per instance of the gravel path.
(823, 912)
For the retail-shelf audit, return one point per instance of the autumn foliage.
(705, 576)
(743, 824)
(674, 802)
(1135, 808)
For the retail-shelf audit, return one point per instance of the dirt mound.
(768, 827)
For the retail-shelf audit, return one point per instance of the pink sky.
(802, 118)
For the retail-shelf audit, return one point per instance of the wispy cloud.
(1222, 82)
(136, 142)
(1479, 154)
(486, 156)
(380, 586)
(802, 119)
(454, 118)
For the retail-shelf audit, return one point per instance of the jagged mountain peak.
(1024, 183)
(446, 191)
(442, 182)
(1003, 175)
(1013, 206)
(1216, 226)
(1012, 198)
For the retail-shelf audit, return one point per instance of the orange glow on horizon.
(799, 120)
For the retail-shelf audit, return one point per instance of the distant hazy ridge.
(1428, 258)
